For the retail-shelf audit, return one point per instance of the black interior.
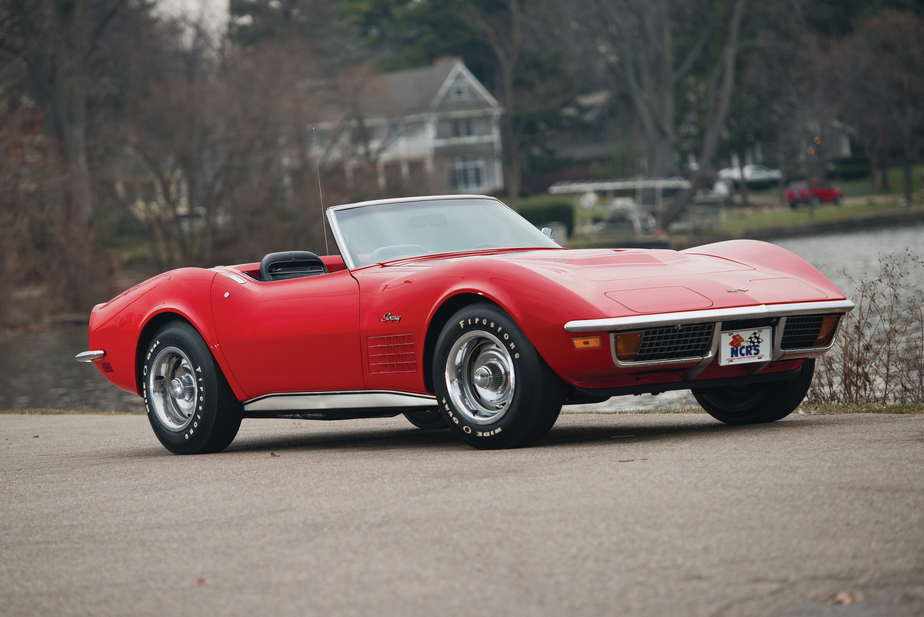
(290, 265)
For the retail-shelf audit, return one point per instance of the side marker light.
(587, 342)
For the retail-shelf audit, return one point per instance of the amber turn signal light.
(828, 328)
(627, 344)
(587, 342)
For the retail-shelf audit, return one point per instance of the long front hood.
(640, 282)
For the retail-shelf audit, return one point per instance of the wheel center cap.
(483, 377)
(176, 389)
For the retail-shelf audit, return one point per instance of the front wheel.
(493, 387)
(188, 401)
(757, 403)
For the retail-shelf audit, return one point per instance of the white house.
(437, 120)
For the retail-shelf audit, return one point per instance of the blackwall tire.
(494, 389)
(188, 401)
(757, 403)
(426, 419)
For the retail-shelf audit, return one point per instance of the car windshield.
(383, 232)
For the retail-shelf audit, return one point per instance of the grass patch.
(864, 186)
(802, 217)
(64, 412)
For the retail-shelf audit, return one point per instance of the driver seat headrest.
(290, 265)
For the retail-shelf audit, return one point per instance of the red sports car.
(455, 311)
(813, 191)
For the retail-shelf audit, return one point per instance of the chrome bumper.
(741, 312)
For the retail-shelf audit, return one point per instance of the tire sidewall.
(514, 427)
(195, 436)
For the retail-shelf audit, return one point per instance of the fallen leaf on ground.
(273, 453)
(843, 598)
(200, 582)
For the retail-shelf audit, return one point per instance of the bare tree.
(51, 41)
(718, 100)
(649, 48)
(878, 91)
(502, 32)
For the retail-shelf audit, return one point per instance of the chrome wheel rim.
(173, 390)
(480, 377)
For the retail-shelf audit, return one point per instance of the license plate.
(744, 346)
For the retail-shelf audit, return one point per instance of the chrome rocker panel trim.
(328, 401)
(726, 314)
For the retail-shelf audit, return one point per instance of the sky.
(213, 13)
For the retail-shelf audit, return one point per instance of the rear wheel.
(188, 401)
(493, 387)
(757, 403)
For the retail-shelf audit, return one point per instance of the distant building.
(437, 122)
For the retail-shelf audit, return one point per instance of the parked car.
(814, 191)
(753, 174)
(455, 311)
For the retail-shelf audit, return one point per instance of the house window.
(463, 127)
(468, 175)
(461, 92)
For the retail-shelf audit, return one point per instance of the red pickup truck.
(813, 191)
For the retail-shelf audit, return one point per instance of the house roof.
(419, 90)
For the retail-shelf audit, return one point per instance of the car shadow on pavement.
(609, 430)
(634, 429)
(356, 437)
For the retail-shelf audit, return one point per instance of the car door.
(298, 335)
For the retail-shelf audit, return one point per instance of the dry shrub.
(879, 355)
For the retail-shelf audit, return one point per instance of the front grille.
(801, 332)
(671, 342)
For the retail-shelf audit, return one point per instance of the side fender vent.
(391, 354)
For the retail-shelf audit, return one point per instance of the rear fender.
(187, 300)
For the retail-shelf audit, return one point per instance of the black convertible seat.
(290, 265)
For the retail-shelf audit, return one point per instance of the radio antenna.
(317, 166)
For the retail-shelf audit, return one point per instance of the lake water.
(37, 369)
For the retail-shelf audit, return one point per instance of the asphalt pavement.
(611, 514)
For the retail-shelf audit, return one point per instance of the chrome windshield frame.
(332, 211)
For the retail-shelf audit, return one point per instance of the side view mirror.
(547, 232)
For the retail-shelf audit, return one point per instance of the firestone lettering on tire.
(151, 350)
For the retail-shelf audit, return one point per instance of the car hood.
(657, 281)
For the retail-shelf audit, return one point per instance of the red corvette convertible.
(456, 311)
